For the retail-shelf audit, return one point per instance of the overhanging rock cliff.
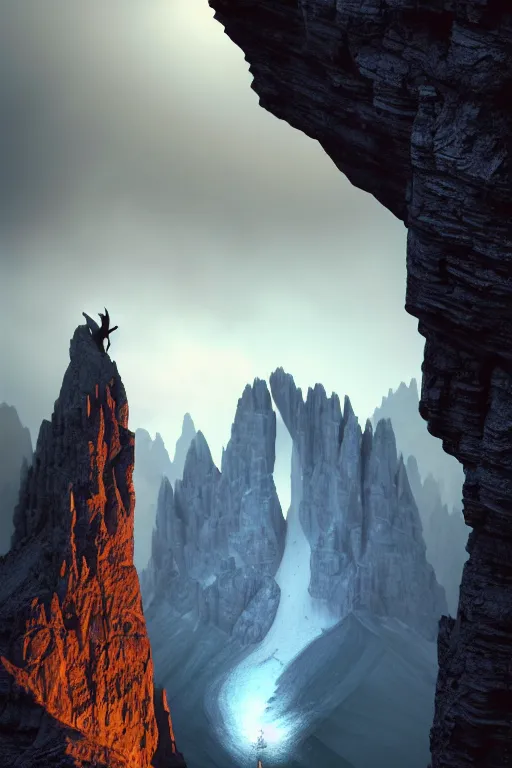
(411, 100)
(76, 673)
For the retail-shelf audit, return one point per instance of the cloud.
(147, 103)
(137, 171)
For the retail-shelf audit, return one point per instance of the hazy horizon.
(139, 173)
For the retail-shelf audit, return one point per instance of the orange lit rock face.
(73, 641)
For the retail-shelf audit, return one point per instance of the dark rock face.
(152, 463)
(358, 512)
(445, 533)
(410, 100)
(15, 457)
(76, 673)
(219, 537)
(412, 439)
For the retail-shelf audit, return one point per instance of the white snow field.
(364, 690)
(245, 695)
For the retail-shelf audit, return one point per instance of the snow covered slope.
(300, 619)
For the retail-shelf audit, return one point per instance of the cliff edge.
(410, 99)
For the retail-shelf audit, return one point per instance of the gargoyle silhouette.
(100, 333)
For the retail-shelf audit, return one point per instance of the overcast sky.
(138, 172)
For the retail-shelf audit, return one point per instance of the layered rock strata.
(15, 458)
(436, 481)
(358, 512)
(76, 673)
(411, 101)
(219, 536)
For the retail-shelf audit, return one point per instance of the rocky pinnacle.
(76, 673)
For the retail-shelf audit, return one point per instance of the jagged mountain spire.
(15, 458)
(73, 641)
(358, 511)
(227, 527)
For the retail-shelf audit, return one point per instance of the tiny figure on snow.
(259, 746)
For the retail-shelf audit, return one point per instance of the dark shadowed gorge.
(409, 99)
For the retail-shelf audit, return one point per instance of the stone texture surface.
(219, 537)
(358, 512)
(15, 457)
(76, 673)
(411, 100)
(445, 533)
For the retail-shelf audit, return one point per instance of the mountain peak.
(188, 423)
(188, 433)
(413, 439)
(71, 592)
(371, 513)
(227, 527)
(199, 461)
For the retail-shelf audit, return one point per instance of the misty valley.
(289, 636)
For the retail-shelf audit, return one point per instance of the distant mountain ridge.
(445, 533)
(15, 458)
(219, 536)
(436, 480)
(152, 463)
(347, 604)
(358, 511)
(413, 439)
